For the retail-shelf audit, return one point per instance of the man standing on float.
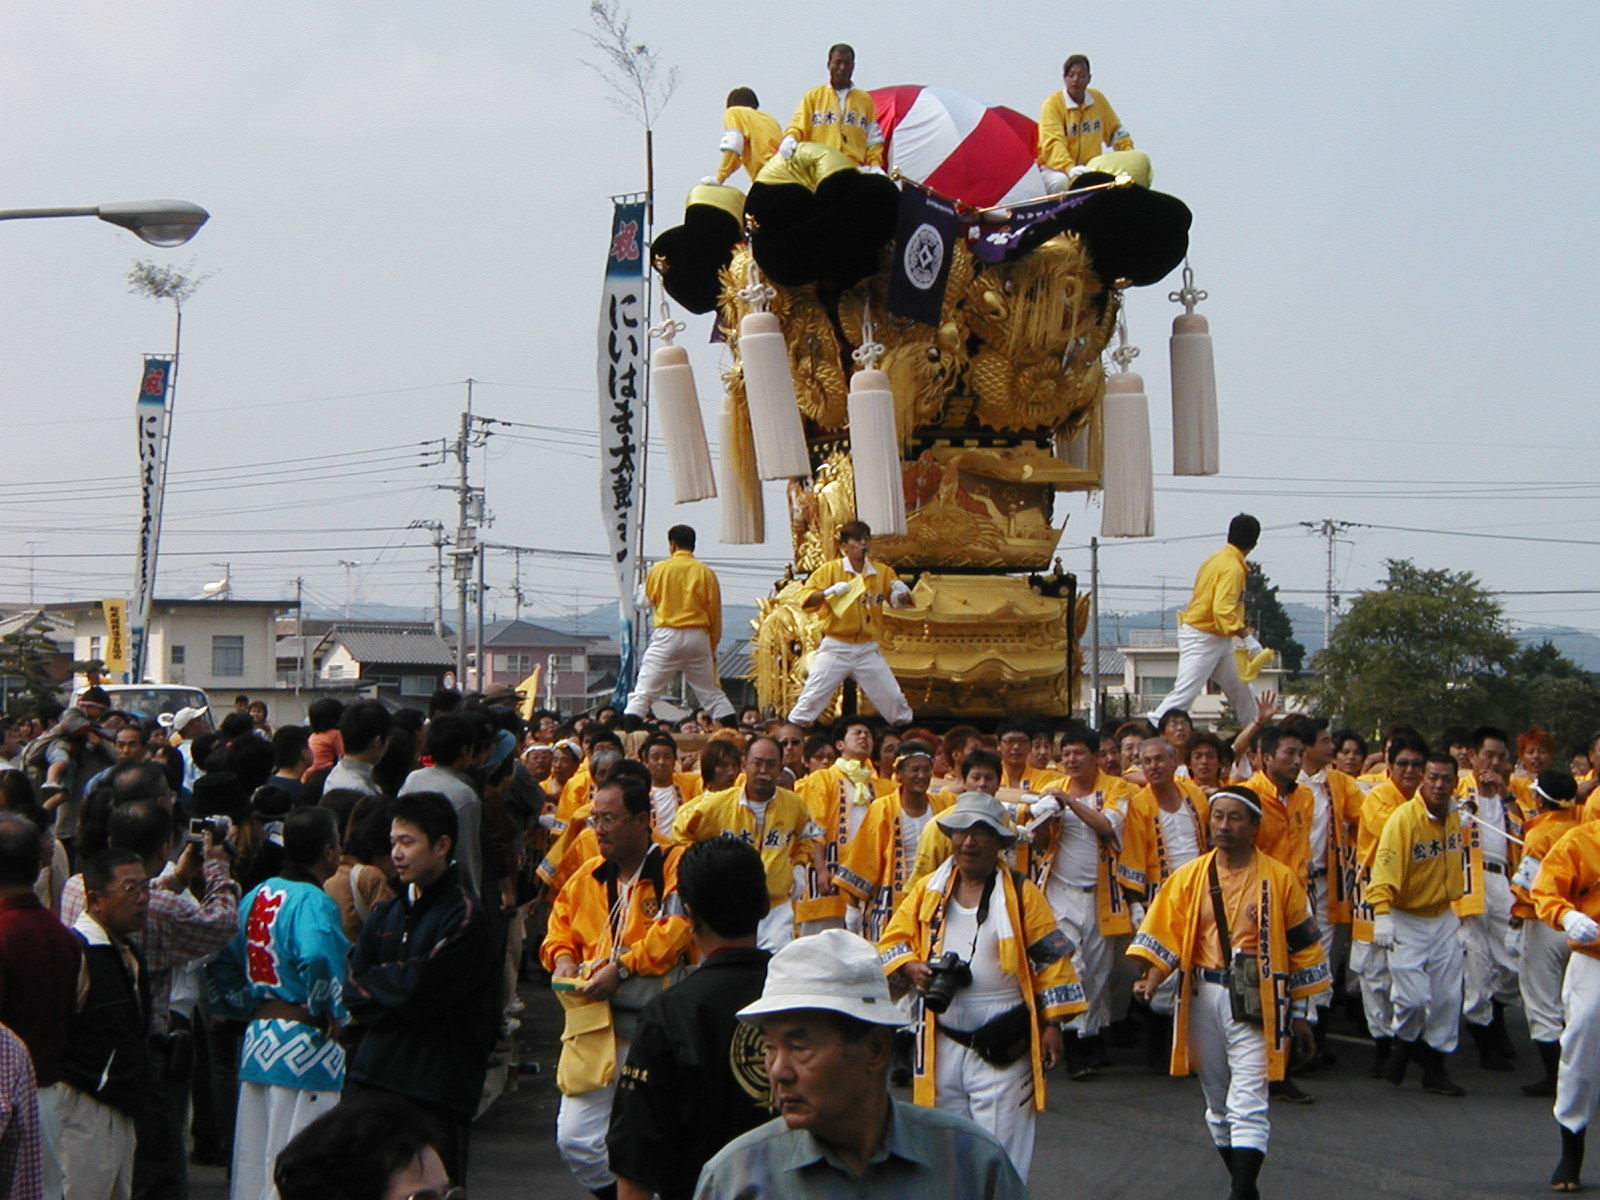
(1215, 616)
(848, 595)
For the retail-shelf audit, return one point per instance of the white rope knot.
(1188, 295)
(757, 291)
(668, 328)
(1124, 354)
(868, 354)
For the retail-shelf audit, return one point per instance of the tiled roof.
(417, 648)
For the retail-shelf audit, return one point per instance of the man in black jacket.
(422, 981)
(106, 1072)
(696, 1077)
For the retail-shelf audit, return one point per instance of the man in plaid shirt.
(180, 930)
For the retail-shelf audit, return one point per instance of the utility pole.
(470, 514)
(1330, 529)
(437, 529)
(1094, 632)
(302, 677)
(33, 554)
(348, 565)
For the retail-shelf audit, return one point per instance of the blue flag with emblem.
(924, 242)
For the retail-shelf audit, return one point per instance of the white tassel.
(1194, 386)
(677, 403)
(1129, 497)
(875, 454)
(744, 516)
(774, 413)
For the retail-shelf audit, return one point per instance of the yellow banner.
(115, 651)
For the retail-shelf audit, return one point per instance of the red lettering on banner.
(263, 962)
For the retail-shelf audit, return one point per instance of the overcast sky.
(1393, 218)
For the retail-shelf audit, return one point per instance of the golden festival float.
(925, 350)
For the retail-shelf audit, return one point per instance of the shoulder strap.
(1219, 910)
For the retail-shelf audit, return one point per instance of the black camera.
(218, 827)
(950, 974)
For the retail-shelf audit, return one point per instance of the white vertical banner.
(622, 344)
(150, 423)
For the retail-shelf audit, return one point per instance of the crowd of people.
(296, 951)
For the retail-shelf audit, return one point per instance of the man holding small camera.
(1237, 927)
(980, 945)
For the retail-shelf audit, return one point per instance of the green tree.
(1551, 691)
(27, 656)
(1263, 609)
(1430, 647)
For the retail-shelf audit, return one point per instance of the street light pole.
(158, 222)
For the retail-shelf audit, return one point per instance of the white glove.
(1383, 931)
(1581, 929)
(1136, 914)
(712, 180)
(1074, 172)
(1252, 643)
(900, 594)
(551, 822)
(837, 589)
(1042, 809)
(786, 148)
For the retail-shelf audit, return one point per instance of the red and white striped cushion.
(958, 146)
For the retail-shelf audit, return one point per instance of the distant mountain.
(1306, 619)
(1579, 645)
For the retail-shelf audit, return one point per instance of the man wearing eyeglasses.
(617, 934)
(1407, 755)
(106, 1072)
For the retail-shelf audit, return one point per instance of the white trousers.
(836, 661)
(50, 1138)
(1202, 658)
(268, 1118)
(1578, 1083)
(1490, 971)
(1544, 965)
(999, 1099)
(1078, 916)
(1371, 967)
(581, 1125)
(1328, 934)
(777, 928)
(96, 1147)
(671, 651)
(1425, 968)
(1231, 1059)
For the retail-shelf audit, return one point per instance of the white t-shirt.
(664, 806)
(911, 832)
(1321, 817)
(991, 991)
(1180, 834)
(1492, 828)
(1077, 860)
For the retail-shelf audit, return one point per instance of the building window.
(516, 664)
(177, 656)
(417, 685)
(94, 648)
(227, 655)
(566, 662)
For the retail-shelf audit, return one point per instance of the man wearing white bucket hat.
(828, 1022)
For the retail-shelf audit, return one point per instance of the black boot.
(1381, 1049)
(1400, 1053)
(1550, 1059)
(1158, 1042)
(1075, 1054)
(1246, 1167)
(1227, 1158)
(1434, 1077)
(1489, 1056)
(1284, 1089)
(1100, 1049)
(1502, 1036)
(1565, 1176)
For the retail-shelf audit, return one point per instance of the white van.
(150, 700)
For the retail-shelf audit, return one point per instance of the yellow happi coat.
(876, 869)
(1144, 844)
(1115, 870)
(1376, 808)
(830, 794)
(1289, 953)
(1471, 903)
(1031, 948)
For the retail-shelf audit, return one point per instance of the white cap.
(180, 718)
(833, 970)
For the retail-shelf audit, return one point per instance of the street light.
(158, 222)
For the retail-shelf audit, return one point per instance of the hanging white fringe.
(1126, 481)
(677, 403)
(744, 517)
(874, 443)
(780, 438)
(1194, 386)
